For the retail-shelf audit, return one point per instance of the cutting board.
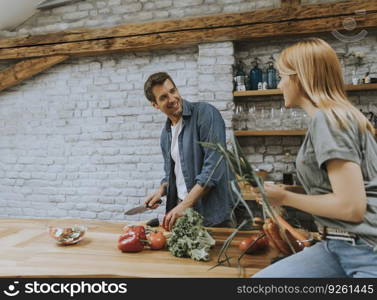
(27, 250)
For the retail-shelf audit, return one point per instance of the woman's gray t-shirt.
(324, 142)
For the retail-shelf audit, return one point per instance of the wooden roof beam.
(188, 37)
(26, 69)
(291, 10)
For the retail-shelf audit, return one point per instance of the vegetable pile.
(135, 239)
(189, 238)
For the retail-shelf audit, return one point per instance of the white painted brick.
(104, 215)
(180, 4)
(65, 206)
(163, 3)
(206, 69)
(222, 59)
(87, 191)
(206, 60)
(75, 15)
(145, 119)
(87, 215)
(63, 9)
(114, 2)
(128, 8)
(215, 45)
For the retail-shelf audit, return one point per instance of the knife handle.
(157, 202)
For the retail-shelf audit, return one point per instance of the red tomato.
(258, 246)
(156, 240)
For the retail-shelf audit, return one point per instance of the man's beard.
(178, 113)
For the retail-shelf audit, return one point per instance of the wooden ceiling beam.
(26, 69)
(188, 38)
(290, 11)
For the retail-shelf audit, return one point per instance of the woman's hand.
(275, 193)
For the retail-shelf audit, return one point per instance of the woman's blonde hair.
(315, 68)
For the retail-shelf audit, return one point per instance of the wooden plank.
(190, 37)
(296, 12)
(253, 93)
(257, 93)
(236, 21)
(26, 69)
(362, 87)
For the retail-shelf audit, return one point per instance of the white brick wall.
(81, 140)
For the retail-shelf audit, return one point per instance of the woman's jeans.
(329, 258)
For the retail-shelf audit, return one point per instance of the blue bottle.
(271, 74)
(255, 75)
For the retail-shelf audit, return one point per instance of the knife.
(140, 209)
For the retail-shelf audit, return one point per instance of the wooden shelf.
(257, 93)
(268, 132)
(349, 88)
(362, 87)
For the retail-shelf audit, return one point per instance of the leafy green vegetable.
(189, 238)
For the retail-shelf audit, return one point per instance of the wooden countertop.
(27, 250)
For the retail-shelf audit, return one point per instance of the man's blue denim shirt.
(202, 122)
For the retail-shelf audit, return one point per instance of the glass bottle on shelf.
(271, 74)
(240, 77)
(255, 75)
(264, 79)
(366, 79)
(287, 173)
(237, 117)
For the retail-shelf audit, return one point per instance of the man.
(194, 177)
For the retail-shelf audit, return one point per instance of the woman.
(337, 166)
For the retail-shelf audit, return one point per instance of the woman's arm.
(347, 202)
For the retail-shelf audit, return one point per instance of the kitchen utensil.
(139, 209)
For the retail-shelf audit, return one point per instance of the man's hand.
(151, 200)
(196, 193)
(172, 216)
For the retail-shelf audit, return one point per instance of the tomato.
(258, 246)
(156, 240)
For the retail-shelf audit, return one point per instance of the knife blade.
(139, 209)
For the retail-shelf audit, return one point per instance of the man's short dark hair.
(153, 80)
